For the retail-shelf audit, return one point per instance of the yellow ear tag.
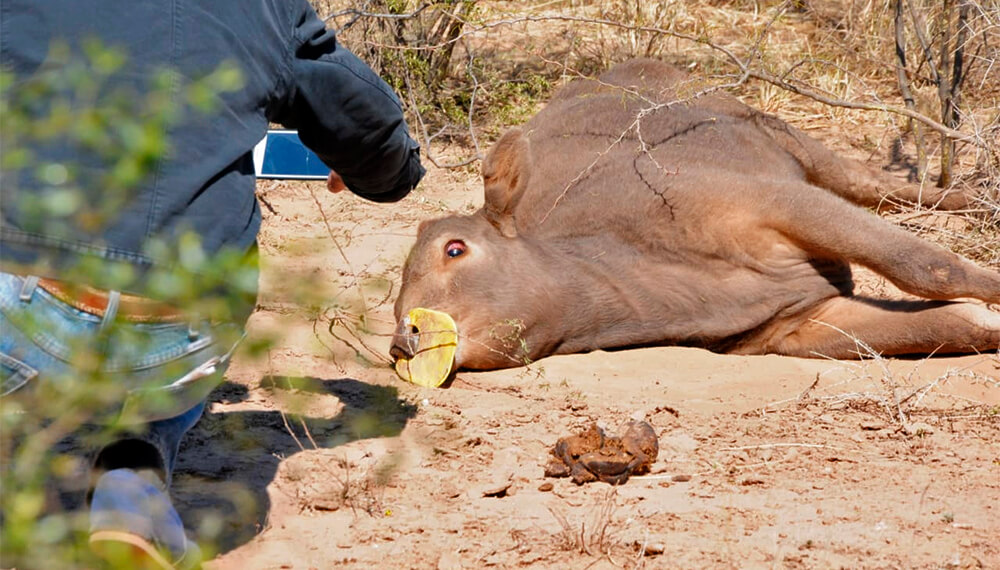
(435, 355)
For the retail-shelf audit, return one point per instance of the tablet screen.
(280, 154)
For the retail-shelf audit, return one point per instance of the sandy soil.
(315, 455)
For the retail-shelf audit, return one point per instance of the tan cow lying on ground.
(619, 217)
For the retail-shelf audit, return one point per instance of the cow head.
(478, 270)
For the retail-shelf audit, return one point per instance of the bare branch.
(918, 29)
(805, 92)
(904, 89)
(423, 126)
(358, 14)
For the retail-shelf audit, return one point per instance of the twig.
(333, 355)
(779, 445)
(339, 320)
(918, 29)
(262, 197)
(281, 412)
(805, 393)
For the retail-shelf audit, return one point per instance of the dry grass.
(873, 386)
(595, 534)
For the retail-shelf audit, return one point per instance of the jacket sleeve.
(348, 116)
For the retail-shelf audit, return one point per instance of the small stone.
(327, 505)
(498, 489)
(681, 478)
(546, 487)
(654, 549)
(963, 526)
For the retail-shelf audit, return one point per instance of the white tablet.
(280, 154)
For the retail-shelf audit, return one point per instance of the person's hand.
(334, 183)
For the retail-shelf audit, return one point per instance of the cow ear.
(505, 176)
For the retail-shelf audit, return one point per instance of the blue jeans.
(163, 371)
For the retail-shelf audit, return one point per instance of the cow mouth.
(424, 346)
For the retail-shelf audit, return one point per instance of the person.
(292, 71)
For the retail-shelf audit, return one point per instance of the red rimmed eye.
(455, 248)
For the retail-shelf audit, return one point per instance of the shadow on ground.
(227, 461)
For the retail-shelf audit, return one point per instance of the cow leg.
(854, 181)
(850, 327)
(829, 228)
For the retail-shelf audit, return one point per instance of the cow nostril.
(397, 352)
(406, 341)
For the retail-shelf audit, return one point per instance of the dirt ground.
(315, 455)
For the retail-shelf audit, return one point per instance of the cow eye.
(455, 248)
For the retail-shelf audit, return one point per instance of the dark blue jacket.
(294, 73)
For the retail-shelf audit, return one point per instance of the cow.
(625, 214)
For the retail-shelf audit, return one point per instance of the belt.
(95, 301)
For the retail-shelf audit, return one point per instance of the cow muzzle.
(406, 340)
(423, 347)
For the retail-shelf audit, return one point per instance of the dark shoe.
(133, 525)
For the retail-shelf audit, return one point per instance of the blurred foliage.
(72, 108)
